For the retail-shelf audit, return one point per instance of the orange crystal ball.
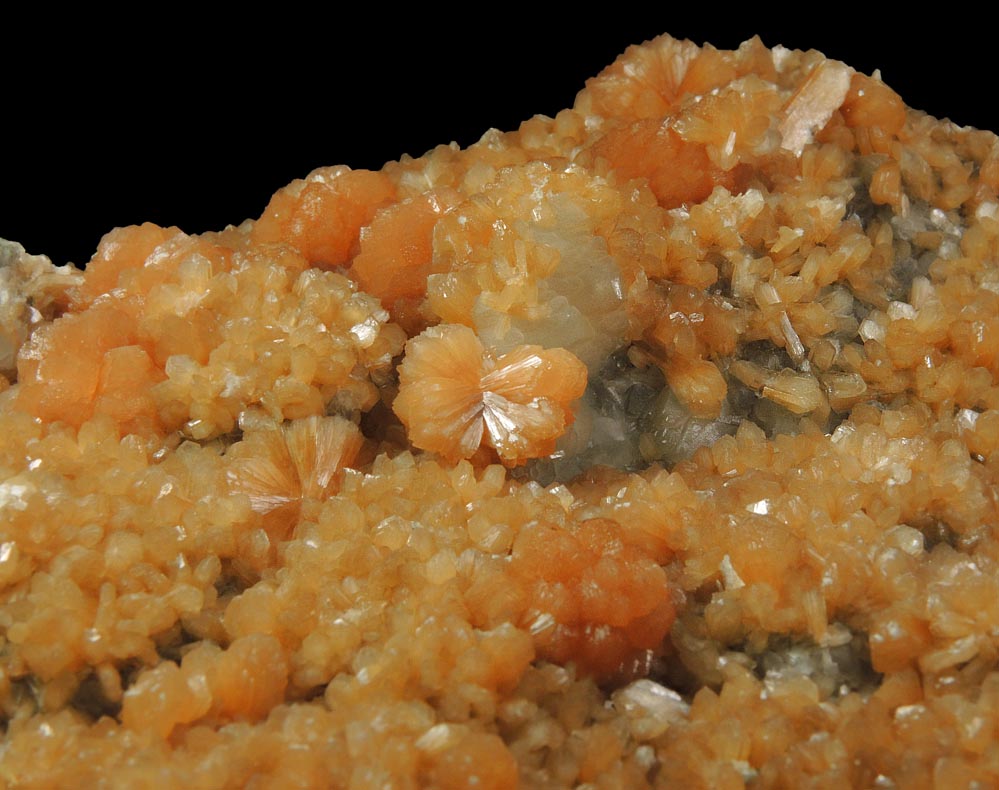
(453, 395)
(655, 444)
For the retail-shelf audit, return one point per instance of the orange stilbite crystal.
(731, 326)
(322, 215)
(396, 251)
(454, 395)
(278, 468)
(591, 598)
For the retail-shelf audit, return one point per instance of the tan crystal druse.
(654, 444)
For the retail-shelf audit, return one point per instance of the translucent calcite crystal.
(655, 444)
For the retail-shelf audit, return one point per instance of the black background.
(194, 121)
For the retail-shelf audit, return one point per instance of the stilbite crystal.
(652, 444)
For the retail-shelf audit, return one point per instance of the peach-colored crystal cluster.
(655, 444)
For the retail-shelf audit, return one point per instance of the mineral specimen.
(655, 444)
